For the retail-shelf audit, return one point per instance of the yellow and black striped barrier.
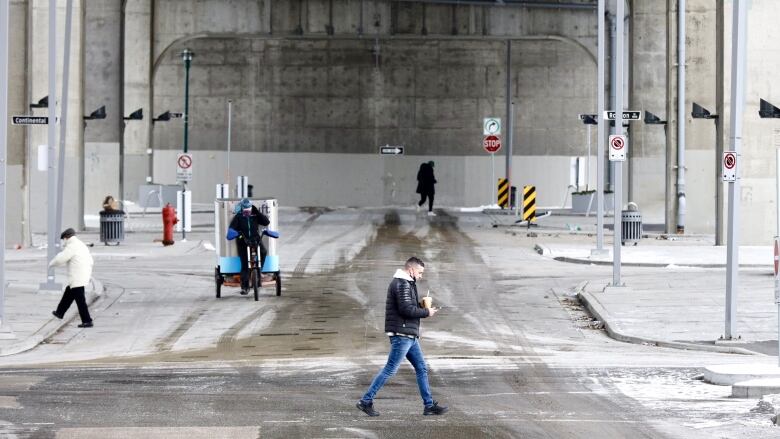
(529, 204)
(503, 193)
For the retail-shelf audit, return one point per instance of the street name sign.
(729, 166)
(491, 144)
(627, 115)
(391, 150)
(29, 120)
(184, 167)
(618, 145)
(491, 126)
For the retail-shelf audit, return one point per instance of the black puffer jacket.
(402, 308)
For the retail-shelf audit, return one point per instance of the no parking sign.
(729, 166)
(618, 145)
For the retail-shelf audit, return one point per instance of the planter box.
(579, 202)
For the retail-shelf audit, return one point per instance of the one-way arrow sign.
(29, 120)
(627, 115)
(391, 150)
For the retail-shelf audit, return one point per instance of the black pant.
(430, 200)
(68, 297)
(243, 253)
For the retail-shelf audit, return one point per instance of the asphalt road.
(495, 354)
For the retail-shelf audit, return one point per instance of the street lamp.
(700, 112)
(43, 103)
(100, 113)
(186, 56)
(652, 119)
(165, 117)
(768, 111)
(135, 115)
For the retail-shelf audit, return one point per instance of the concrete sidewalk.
(675, 297)
(679, 299)
(28, 310)
(661, 253)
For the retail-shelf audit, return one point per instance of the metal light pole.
(186, 55)
(618, 165)
(600, 131)
(51, 191)
(738, 102)
(4, 22)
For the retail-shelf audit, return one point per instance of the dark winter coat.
(402, 307)
(425, 179)
(248, 228)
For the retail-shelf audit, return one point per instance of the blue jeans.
(401, 347)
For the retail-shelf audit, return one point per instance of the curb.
(544, 251)
(614, 331)
(52, 326)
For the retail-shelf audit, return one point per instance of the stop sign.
(491, 144)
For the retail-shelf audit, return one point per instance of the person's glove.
(231, 234)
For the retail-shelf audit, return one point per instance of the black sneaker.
(86, 325)
(54, 313)
(435, 409)
(244, 292)
(367, 408)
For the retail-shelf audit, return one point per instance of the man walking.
(402, 324)
(426, 186)
(76, 256)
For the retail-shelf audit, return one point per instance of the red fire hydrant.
(169, 220)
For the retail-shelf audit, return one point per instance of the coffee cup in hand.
(427, 302)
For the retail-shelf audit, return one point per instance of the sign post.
(5, 332)
(617, 164)
(492, 144)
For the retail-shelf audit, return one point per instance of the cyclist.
(245, 226)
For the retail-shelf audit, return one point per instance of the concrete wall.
(333, 179)
(335, 96)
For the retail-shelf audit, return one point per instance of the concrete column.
(37, 72)
(139, 36)
(16, 219)
(102, 77)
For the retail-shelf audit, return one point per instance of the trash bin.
(631, 225)
(112, 227)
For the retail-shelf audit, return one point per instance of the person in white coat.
(76, 256)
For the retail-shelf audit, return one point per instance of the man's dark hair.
(414, 260)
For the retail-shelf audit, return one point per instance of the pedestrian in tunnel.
(246, 228)
(425, 186)
(76, 256)
(403, 312)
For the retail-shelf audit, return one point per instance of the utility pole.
(600, 139)
(738, 54)
(617, 166)
(51, 192)
(5, 332)
(186, 55)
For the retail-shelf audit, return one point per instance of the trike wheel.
(278, 283)
(218, 281)
(256, 282)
